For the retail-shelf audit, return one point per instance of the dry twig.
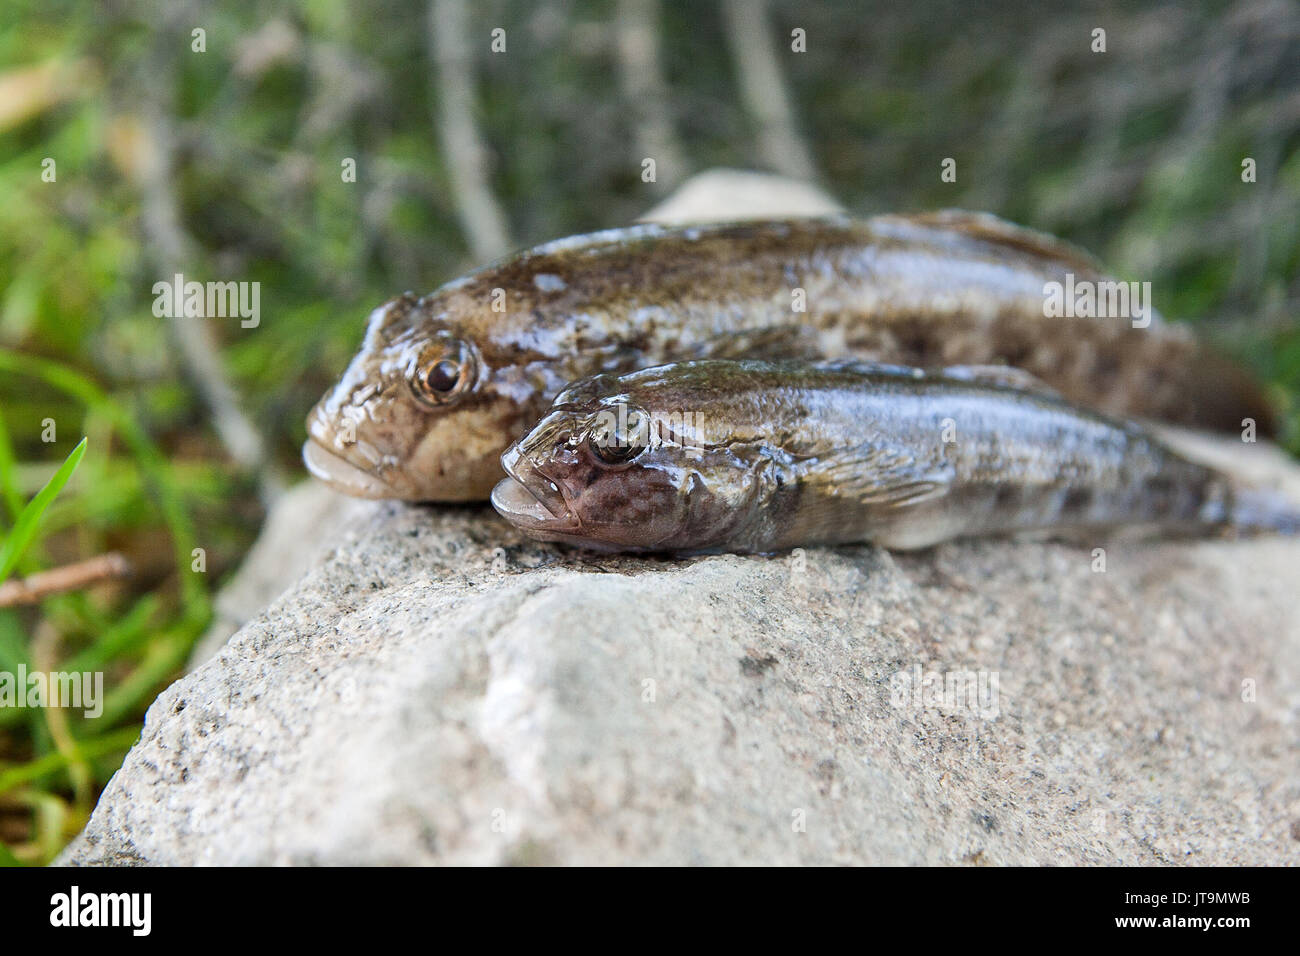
(69, 577)
(763, 89)
(476, 206)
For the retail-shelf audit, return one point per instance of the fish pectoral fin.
(1002, 376)
(990, 228)
(773, 342)
(878, 475)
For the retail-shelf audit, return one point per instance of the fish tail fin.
(1260, 509)
(1236, 395)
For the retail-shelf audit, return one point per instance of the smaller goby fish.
(752, 456)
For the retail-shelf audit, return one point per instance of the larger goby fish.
(755, 456)
(444, 383)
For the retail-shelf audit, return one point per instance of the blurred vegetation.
(1134, 153)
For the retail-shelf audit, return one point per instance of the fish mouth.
(341, 474)
(529, 499)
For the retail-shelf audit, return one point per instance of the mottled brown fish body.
(931, 290)
(765, 456)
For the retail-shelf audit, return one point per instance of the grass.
(139, 640)
(28, 520)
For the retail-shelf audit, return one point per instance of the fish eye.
(618, 437)
(443, 372)
(442, 376)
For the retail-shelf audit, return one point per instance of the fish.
(754, 457)
(444, 382)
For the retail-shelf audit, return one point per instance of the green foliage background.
(1134, 153)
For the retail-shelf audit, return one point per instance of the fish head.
(617, 474)
(425, 408)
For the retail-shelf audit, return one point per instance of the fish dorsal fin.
(877, 474)
(1001, 376)
(991, 228)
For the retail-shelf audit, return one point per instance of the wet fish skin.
(935, 289)
(757, 456)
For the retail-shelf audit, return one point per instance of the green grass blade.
(13, 502)
(25, 527)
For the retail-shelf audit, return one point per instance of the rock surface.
(297, 531)
(719, 194)
(438, 690)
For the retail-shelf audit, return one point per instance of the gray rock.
(436, 689)
(721, 194)
(300, 527)
(440, 690)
